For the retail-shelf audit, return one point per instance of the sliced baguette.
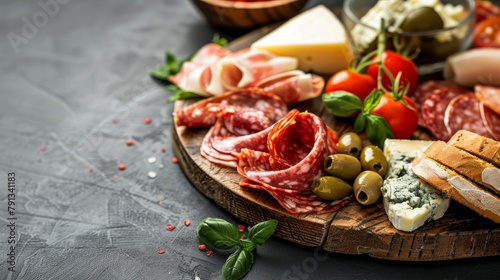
(467, 164)
(480, 146)
(457, 187)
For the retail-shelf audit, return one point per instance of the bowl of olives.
(427, 30)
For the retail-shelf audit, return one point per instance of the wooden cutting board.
(354, 229)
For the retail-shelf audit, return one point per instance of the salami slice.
(298, 202)
(489, 96)
(492, 121)
(426, 88)
(205, 112)
(433, 109)
(464, 112)
(302, 171)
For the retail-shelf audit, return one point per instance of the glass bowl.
(429, 48)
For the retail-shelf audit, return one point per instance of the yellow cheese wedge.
(316, 37)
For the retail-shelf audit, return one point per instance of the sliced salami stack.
(448, 109)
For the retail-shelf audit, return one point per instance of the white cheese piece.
(408, 201)
(316, 37)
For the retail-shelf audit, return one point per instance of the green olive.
(345, 167)
(437, 50)
(350, 143)
(331, 188)
(372, 158)
(367, 187)
(422, 19)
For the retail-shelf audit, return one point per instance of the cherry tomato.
(486, 9)
(351, 81)
(487, 33)
(403, 120)
(396, 63)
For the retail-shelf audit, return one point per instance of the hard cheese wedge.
(408, 201)
(316, 37)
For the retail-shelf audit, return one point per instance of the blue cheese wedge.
(408, 201)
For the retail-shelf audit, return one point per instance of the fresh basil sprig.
(344, 104)
(220, 234)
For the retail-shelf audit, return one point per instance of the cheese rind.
(316, 37)
(408, 201)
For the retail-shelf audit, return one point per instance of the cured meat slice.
(298, 202)
(248, 66)
(433, 109)
(489, 96)
(293, 86)
(205, 112)
(464, 112)
(492, 121)
(196, 74)
(301, 172)
(426, 88)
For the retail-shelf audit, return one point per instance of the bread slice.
(467, 164)
(457, 187)
(480, 146)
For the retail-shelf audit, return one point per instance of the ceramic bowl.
(234, 14)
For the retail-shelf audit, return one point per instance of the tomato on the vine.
(487, 33)
(351, 81)
(402, 118)
(395, 63)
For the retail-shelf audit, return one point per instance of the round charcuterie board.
(354, 229)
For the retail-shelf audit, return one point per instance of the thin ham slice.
(249, 66)
(293, 86)
(196, 74)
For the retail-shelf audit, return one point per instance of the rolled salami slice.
(301, 167)
(492, 121)
(433, 109)
(464, 112)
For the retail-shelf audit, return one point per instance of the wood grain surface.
(354, 229)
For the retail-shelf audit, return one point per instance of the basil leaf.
(372, 100)
(178, 93)
(237, 265)
(262, 231)
(377, 130)
(342, 103)
(161, 72)
(218, 233)
(247, 244)
(360, 123)
(218, 40)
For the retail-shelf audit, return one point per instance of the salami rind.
(433, 110)
(464, 112)
(491, 120)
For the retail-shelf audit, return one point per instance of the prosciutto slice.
(215, 70)
(293, 86)
(246, 67)
(196, 74)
